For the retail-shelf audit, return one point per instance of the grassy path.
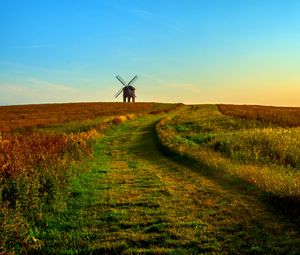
(135, 200)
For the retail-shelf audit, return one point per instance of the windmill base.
(128, 99)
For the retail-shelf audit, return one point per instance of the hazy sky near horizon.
(192, 51)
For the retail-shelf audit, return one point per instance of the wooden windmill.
(128, 90)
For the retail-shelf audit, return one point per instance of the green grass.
(132, 199)
(38, 163)
(135, 197)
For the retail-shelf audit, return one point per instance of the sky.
(189, 51)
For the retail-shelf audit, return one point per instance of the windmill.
(128, 90)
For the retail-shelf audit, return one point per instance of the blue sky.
(193, 51)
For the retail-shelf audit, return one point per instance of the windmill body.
(128, 90)
(129, 94)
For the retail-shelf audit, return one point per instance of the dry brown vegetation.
(34, 172)
(284, 116)
(24, 116)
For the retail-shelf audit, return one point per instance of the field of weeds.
(259, 150)
(40, 145)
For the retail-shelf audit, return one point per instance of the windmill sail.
(121, 80)
(118, 93)
(132, 81)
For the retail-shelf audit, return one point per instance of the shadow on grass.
(234, 237)
(285, 209)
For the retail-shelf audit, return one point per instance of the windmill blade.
(133, 80)
(118, 93)
(121, 80)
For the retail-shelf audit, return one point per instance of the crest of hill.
(38, 115)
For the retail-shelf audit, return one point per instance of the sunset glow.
(239, 52)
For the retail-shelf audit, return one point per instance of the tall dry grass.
(279, 146)
(283, 116)
(266, 157)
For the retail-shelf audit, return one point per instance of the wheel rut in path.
(132, 199)
(157, 205)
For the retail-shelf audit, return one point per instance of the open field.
(284, 116)
(184, 181)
